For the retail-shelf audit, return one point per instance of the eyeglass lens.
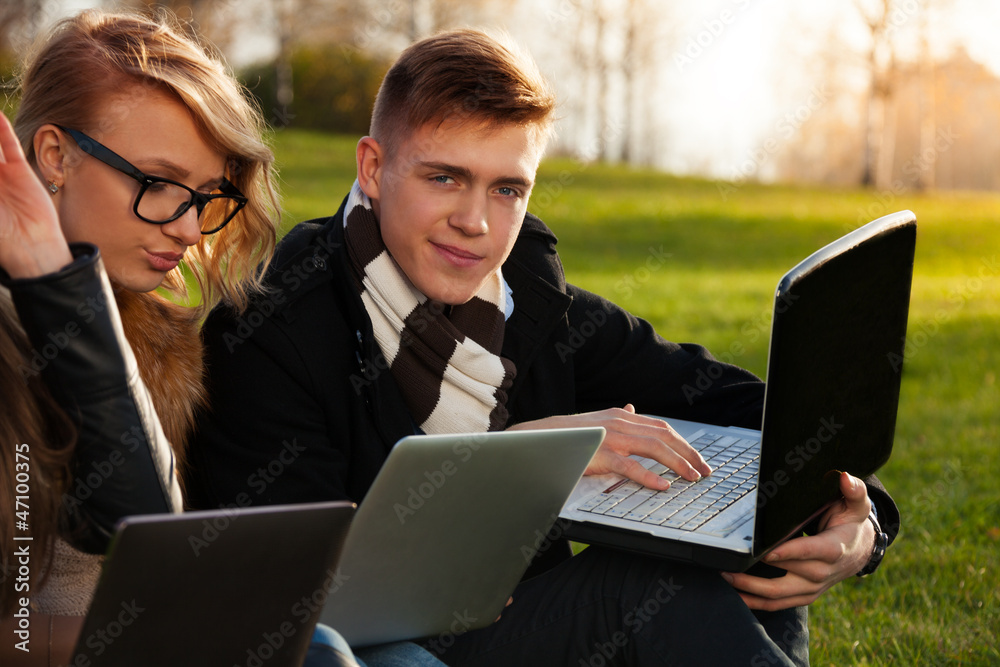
(162, 201)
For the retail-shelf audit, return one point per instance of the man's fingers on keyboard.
(629, 467)
(673, 445)
(646, 445)
(685, 461)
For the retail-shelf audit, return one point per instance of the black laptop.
(833, 378)
(214, 588)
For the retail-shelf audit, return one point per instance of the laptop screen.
(853, 348)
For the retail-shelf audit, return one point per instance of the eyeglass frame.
(199, 200)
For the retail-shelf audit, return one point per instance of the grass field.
(936, 599)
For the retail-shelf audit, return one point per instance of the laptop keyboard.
(686, 505)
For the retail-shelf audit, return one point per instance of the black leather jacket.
(122, 463)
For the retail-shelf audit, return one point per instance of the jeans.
(328, 649)
(605, 607)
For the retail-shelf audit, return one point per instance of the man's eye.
(507, 192)
(444, 179)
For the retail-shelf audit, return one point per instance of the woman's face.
(157, 134)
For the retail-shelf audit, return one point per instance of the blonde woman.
(142, 146)
(135, 153)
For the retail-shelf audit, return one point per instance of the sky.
(742, 71)
(758, 78)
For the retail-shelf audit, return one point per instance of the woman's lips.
(164, 261)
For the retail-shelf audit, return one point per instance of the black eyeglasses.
(161, 200)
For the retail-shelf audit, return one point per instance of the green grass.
(315, 173)
(936, 599)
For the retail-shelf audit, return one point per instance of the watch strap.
(878, 550)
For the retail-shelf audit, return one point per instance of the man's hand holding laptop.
(813, 563)
(817, 562)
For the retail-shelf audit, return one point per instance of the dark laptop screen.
(845, 304)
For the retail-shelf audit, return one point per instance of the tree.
(644, 31)
(216, 21)
(19, 22)
(333, 89)
(606, 80)
(881, 61)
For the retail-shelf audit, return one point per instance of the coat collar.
(313, 255)
(539, 306)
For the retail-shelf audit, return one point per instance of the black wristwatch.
(878, 551)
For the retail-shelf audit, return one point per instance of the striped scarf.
(446, 361)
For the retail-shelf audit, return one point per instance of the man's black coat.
(304, 409)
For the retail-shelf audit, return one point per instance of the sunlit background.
(900, 97)
(889, 93)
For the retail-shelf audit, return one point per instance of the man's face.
(450, 203)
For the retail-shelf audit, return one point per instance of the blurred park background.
(893, 94)
(733, 137)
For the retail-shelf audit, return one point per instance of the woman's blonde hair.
(86, 74)
(92, 68)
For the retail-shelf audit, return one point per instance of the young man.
(431, 301)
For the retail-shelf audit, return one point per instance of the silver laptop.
(448, 528)
(833, 377)
(217, 587)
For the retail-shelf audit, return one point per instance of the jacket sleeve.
(630, 362)
(265, 439)
(292, 416)
(122, 463)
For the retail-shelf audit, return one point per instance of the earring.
(53, 188)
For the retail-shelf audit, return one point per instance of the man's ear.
(50, 154)
(371, 164)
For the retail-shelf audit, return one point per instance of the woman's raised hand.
(31, 241)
